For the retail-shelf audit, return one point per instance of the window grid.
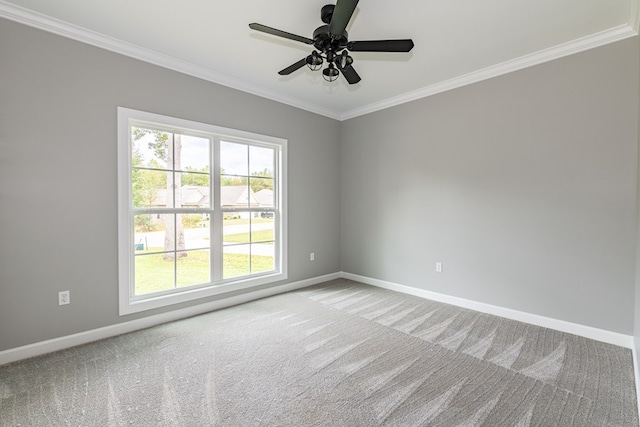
(221, 277)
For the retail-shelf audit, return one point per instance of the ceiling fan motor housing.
(323, 41)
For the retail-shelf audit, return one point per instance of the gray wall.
(58, 208)
(636, 329)
(523, 186)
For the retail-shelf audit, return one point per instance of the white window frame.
(128, 302)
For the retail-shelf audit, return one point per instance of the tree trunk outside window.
(173, 224)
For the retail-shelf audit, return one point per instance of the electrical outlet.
(438, 267)
(64, 298)
(312, 256)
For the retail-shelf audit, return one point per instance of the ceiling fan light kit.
(330, 73)
(332, 44)
(314, 61)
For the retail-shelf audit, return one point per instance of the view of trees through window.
(174, 203)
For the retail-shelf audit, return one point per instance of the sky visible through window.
(195, 155)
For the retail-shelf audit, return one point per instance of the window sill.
(128, 306)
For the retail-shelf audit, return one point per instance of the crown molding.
(65, 29)
(579, 45)
(74, 32)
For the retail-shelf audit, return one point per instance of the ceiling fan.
(332, 44)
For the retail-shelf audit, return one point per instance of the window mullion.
(217, 217)
(175, 249)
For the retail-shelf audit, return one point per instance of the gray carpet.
(337, 354)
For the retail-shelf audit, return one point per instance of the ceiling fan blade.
(350, 74)
(341, 16)
(293, 67)
(280, 33)
(401, 45)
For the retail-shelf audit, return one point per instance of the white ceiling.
(456, 41)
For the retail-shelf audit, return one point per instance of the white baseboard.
(634, 351)
(609, 337)
(56, 344)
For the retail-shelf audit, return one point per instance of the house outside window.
(202, 210)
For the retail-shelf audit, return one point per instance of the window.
(202, 210)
